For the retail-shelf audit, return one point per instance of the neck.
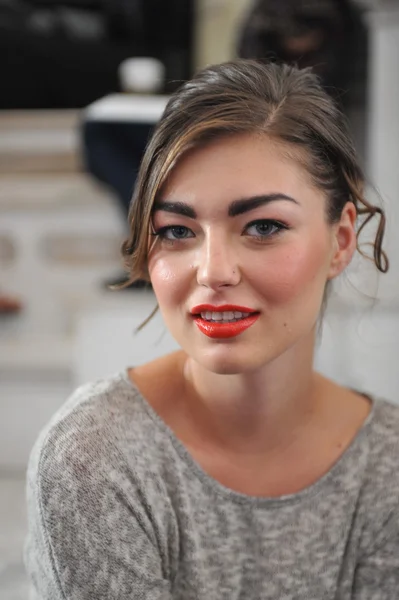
(259, 411)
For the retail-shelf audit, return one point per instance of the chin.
(227, 360)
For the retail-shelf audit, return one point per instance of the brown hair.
(245, 96)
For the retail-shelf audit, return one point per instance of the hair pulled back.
(246, 96)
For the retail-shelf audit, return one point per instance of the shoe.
(9, 305)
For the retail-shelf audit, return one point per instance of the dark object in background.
(65, 53)
(327, 35)
(9, 305)
(112, 153)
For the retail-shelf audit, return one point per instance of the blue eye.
(174, 232)
(264, 228)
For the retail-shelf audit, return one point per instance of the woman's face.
(242, 254)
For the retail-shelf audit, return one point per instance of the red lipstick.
(223, 330)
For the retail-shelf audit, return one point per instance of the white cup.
(141, 75)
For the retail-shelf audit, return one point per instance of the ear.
(344, 240)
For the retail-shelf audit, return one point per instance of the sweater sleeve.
(90, 533)
(377, 574)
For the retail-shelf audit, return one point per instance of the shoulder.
(382, 434)
(101, 451)
(93, 486)
(379, 501)
(103, 427)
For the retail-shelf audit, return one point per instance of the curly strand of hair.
(364, 207)
(380, 258)
(127, 251)
(147, 319)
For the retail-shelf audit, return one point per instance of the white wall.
(217, 22)
(383, 152)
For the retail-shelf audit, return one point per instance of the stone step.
(51, 191)
(14, 583)
(39, 141)
(49, 222)
(107, 339)
(28, 400)
(38, 120)
(46, 354)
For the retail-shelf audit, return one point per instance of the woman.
(229, 469)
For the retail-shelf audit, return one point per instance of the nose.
(217, 263)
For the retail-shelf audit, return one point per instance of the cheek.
(166, 278)
(296, 272)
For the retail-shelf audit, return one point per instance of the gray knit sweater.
(118, 509)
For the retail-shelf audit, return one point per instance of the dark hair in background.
(246, 96)
(335, 38)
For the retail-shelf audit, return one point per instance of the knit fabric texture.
(118, 509)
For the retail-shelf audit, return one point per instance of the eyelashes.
(266, 228)
(262, 230)
(179, 231)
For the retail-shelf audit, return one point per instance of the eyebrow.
(238, 207)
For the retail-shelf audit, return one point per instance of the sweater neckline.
(337, 471)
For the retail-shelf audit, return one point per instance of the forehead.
(239, 166)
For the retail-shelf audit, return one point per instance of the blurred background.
(82, 84)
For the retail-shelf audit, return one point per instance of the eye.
(264, 228)
(173, 233)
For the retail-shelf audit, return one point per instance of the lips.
(223, 328)
(201, 308)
